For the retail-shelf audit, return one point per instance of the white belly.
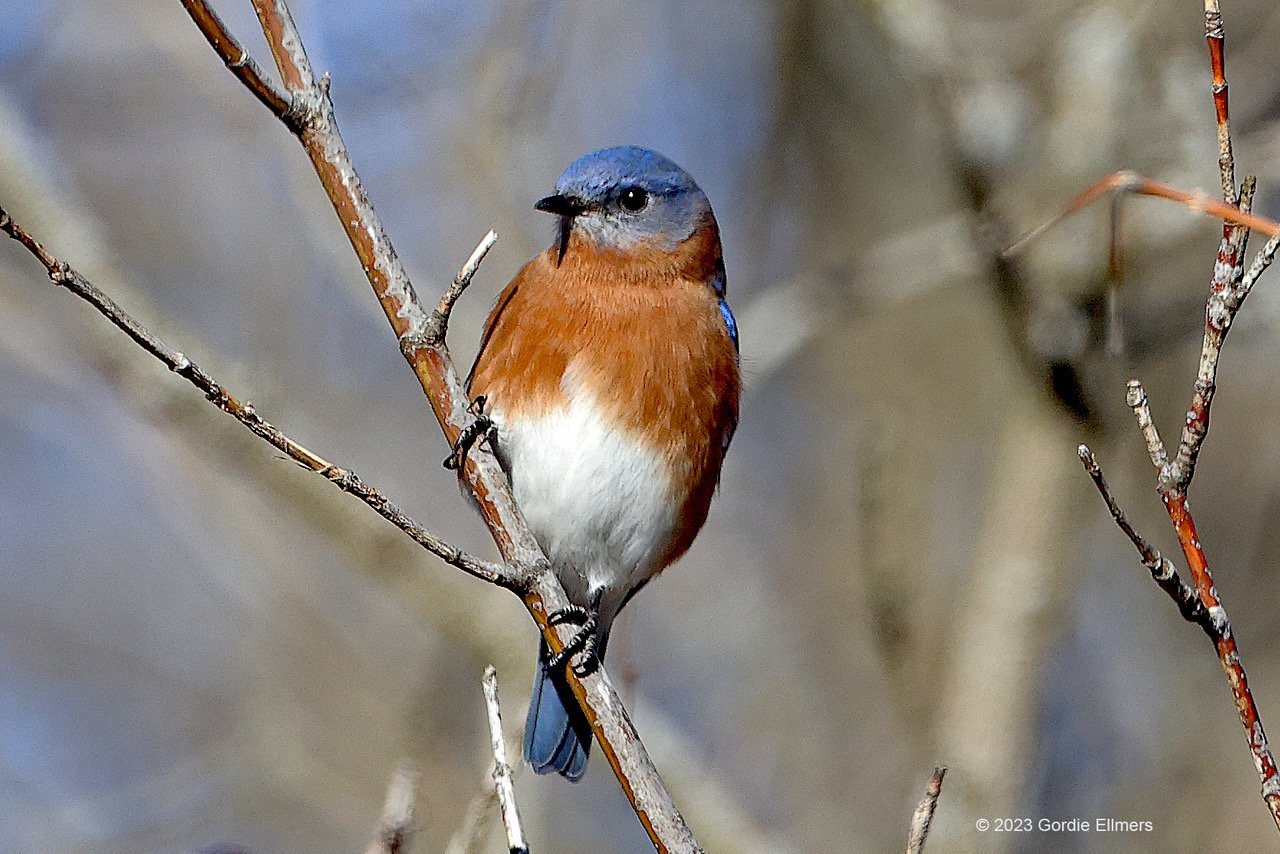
(599, 503)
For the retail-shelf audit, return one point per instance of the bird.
(607, 382)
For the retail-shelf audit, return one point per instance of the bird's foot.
(479, 430)
(582, 645)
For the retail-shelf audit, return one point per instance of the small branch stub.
(923, 816)
(502, 777)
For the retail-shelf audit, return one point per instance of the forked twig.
(1229, 286)
(311, 118)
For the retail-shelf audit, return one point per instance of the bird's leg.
(479, 430)
(582, 644)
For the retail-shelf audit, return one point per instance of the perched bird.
(609, 372)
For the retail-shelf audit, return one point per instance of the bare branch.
(238, 61)
(1136, 397)
(1223, 303)
(1126, 181)
(61, 273)
(396, 828)
(317, 130)
(1162, 570)
(502, 781)
(923, 816)
(1227, 292)
(1261, 262)
(1215, 36)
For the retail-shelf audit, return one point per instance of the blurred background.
(203, 648)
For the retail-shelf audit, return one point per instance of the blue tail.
(557, 736)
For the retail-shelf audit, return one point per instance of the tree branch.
(62, 274)
(1227, 290)
(1162, 570)
(502, 782)
(1126, 181)
(429, 357)
(922, 818)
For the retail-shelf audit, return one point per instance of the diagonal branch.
(62, 274)
(1227, 291)
(922, 818)
(1126, 181)
(1162, 570)
(239, 63)
(424, 347)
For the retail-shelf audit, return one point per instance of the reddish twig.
(923, 816)
(1215, 36)
(1162, 570)
(239, 62)
(1127, 181)
(1199, 602)
(62, 274)
(422, 339)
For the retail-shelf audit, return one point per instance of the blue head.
(626, 197)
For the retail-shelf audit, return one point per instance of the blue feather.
(729, 322)
(556, 735)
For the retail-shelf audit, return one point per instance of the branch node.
(1213, 28)
(1128, 181)
(414, 340)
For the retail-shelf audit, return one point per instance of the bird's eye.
(633, 199)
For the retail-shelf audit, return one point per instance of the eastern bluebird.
(609, 368)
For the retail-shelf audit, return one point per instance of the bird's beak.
(561, 205)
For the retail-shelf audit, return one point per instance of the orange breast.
(643, 334)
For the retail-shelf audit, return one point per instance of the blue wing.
(729, 322)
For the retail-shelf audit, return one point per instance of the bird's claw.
(582, 644)
(479, 430)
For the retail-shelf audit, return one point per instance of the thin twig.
(1127, 181)
(62, 274)
(502, 782)
(1136, 398)
(317, 130)
(1215, 36)
(396, 829)
(239, 62)
(1220, 310)
(1227, 292)
(1261, 262)
(1162, 570)
(438, 325)
(923, 816)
